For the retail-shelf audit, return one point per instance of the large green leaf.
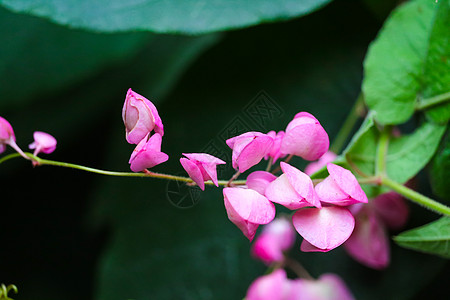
(432, 238)
(408, 63)
(178, 16)
(39, 58)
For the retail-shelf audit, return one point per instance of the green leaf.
(408, 62)
(407, 155)
(433, 238)
(178, 16)
(440, 169)
(39, 58)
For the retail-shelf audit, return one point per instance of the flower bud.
(140, 118)
(6, 134)
(147, 154)
(43, 142)
(201, 167)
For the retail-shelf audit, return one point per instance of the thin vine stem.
(427, 103)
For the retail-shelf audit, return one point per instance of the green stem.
(41, 161)
(416, 197)
(347, 127)
(382, 149)
(427, 103)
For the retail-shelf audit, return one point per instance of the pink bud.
(274, 286)
(340, 188)
(147, 154)
(43, 142)
(201, 167)
(247, 209)
(325, 228)
(140, 117)
(259, 180)
(248, 149)
(6, 134)
(275, 151)
(327, 287)
(276, 237)
(392, 209)
(305, 137)
(322, 162)
(369, 242)
(293, 189)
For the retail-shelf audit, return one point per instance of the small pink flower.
(340, 187)
(259, 180)
(140, 117)
(247, 209)
(201, 167)
(248, 149)
(276, 237)
(275, 151)
(6, 134)
(392, 209)
(324, 228)
(369, 243)
(43, 142)
(147, 154)
(293, 189)
(305, 137)
(322, 162)
(327, 287)
(274, 286)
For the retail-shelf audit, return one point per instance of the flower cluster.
(43, 142)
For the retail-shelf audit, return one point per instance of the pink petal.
(325, 228)
(369, 242)
(305, 137)
(328, 191)
(275, 151)
(253, 152)
(301, 183)
(274, 286)
(208, 165)
(280, 191)
(148, 154)
(6, 131)
(247, 208)
(392, 209)
(313, 167)
(259, 180)
(327, 287)
(194, 172)
(306, 246)
(347, 182)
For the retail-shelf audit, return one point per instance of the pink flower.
(322, 162)
(248, 149)
(247, 209)
(274, 286)
(340, 187)
(276, 237)
(147, 154)
(369, 242)
(323, 229)
(305, 137)
(6, 134)
(293, 189)
(259, 180)
(201, 167)
(43, 142)
(140, 117)
(327, 287)
(275, 151)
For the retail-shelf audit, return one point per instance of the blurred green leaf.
(180, 16)
(440, 169)
(408, 62)
(38, 58)
(433, 238)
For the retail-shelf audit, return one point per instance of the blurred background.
(66, 234)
